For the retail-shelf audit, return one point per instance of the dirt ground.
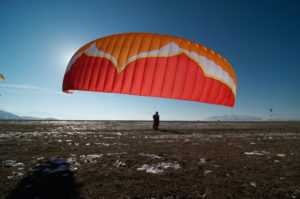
(125, 159)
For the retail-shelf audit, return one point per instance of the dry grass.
(212, 159)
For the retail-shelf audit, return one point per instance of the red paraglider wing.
(152, 65)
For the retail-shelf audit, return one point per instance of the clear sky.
(260, 39)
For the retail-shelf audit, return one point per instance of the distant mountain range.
(9, 116)
(234, 118)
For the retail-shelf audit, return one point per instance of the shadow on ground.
(170, 131)
(52, 179)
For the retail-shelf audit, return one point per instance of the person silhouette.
(155, 121)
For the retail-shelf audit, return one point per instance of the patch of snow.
(90, 158)
(281, 155)
(204, 160)
(120, 164)
(170, 165)
(9, 162)
(217, 136)
(207, 172)
(153, 156)
(253, 184)
(144, 167)
(103, 144)
(257, 153)
(12, 163)
(158, 168)
(73, 168)
(118, 153)
(18, 164)
(40, 158)
(154, 170)
(117, 133)
(15, 175)
(109, 138)
(56, 165)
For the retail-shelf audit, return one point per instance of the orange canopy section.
(152, 65)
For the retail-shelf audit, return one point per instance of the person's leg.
(156, 126)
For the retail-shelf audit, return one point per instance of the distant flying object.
(152, 65)
(271, 110)
(2, 78)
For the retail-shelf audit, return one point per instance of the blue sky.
(260, 39)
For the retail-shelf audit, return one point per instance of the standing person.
(155, 121)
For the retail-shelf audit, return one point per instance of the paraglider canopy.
(152, 65)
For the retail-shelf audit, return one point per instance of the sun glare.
(67, 57)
